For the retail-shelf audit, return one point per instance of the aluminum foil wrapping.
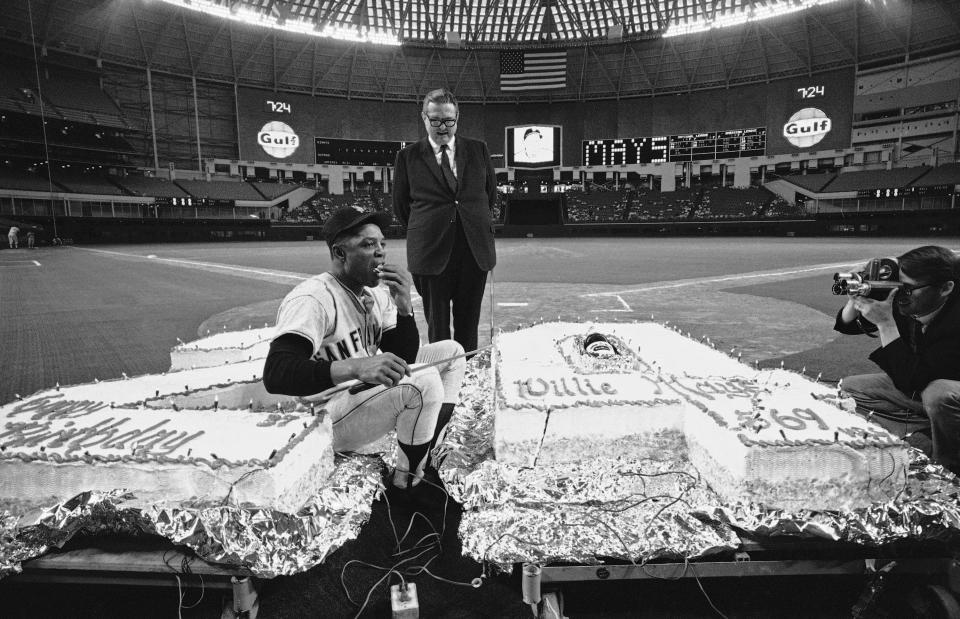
(261, 542)
(927, 507)
(637, 511)
(608, 509)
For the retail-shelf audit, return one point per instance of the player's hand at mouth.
(399, 281)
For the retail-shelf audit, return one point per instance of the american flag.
(520, 70)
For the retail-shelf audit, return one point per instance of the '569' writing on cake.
(568, 392)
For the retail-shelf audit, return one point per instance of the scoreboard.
(191, 201)
(718, 145)
(902, 192)
(334, 151)
(625, 151)
(679, 148)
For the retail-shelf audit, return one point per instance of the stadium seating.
(86, 183)
(779, 207)
(66, 97)
(811, 182)
(731, 203)
(73, 92)
(658, 206)
(320, 206)
(872, 179)
(698, 203)
(220, 190)
(596, 206)
(25, 181)
(16, 92)
(271, 191)
(152, 187)
(948, 174)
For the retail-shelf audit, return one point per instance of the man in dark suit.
(444, 189)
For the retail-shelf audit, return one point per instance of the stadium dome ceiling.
(614, 48)
(477, 22)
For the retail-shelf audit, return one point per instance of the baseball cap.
(346, 218)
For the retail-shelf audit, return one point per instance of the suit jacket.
(425, 204)
(917, 358)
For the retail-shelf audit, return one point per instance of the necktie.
(447, 170)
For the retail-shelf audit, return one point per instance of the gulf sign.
(278, 139)
(807, 127)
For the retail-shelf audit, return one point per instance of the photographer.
(918, 325)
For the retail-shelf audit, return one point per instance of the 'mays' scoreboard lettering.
(687, 147)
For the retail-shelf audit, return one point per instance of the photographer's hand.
(850, 312)
(880, 313)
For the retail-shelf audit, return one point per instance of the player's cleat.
(428, 496)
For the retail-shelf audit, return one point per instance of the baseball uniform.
(340, 325)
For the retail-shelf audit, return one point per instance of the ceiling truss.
(180, 41)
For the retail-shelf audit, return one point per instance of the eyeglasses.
(446, 122)
(908, 290)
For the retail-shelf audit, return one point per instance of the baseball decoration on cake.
(569, 392)
(209, 434)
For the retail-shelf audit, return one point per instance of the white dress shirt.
(451, 153)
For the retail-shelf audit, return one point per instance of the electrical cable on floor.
(434, 546)
(437, 544)
(703, 591)
(185, 570)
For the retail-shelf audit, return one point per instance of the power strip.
(403, 601)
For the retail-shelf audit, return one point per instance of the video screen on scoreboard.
(533, 146)
(334, 151)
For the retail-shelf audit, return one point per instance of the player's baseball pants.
(411, 406)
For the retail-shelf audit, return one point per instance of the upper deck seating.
(873, 179)
(151, 187)
(86, 183)
(271, 191)
(811, 182)
(220, 190)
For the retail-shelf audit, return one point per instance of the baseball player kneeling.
(355, 322)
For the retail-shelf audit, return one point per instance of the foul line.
(714, 280)
(626, 307)
(197, 263)
(214, 265)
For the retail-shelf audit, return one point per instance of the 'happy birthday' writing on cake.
(51, 407)
(111, 433)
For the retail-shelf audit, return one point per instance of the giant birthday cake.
(570, 392)
(211, 434)
(220, 348)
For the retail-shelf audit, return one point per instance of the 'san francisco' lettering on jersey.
(358, 340)
(335, 320)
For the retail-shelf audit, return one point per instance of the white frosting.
(167, 437)
(746, 429)
(220, 348)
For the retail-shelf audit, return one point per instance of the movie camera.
(875, 281)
